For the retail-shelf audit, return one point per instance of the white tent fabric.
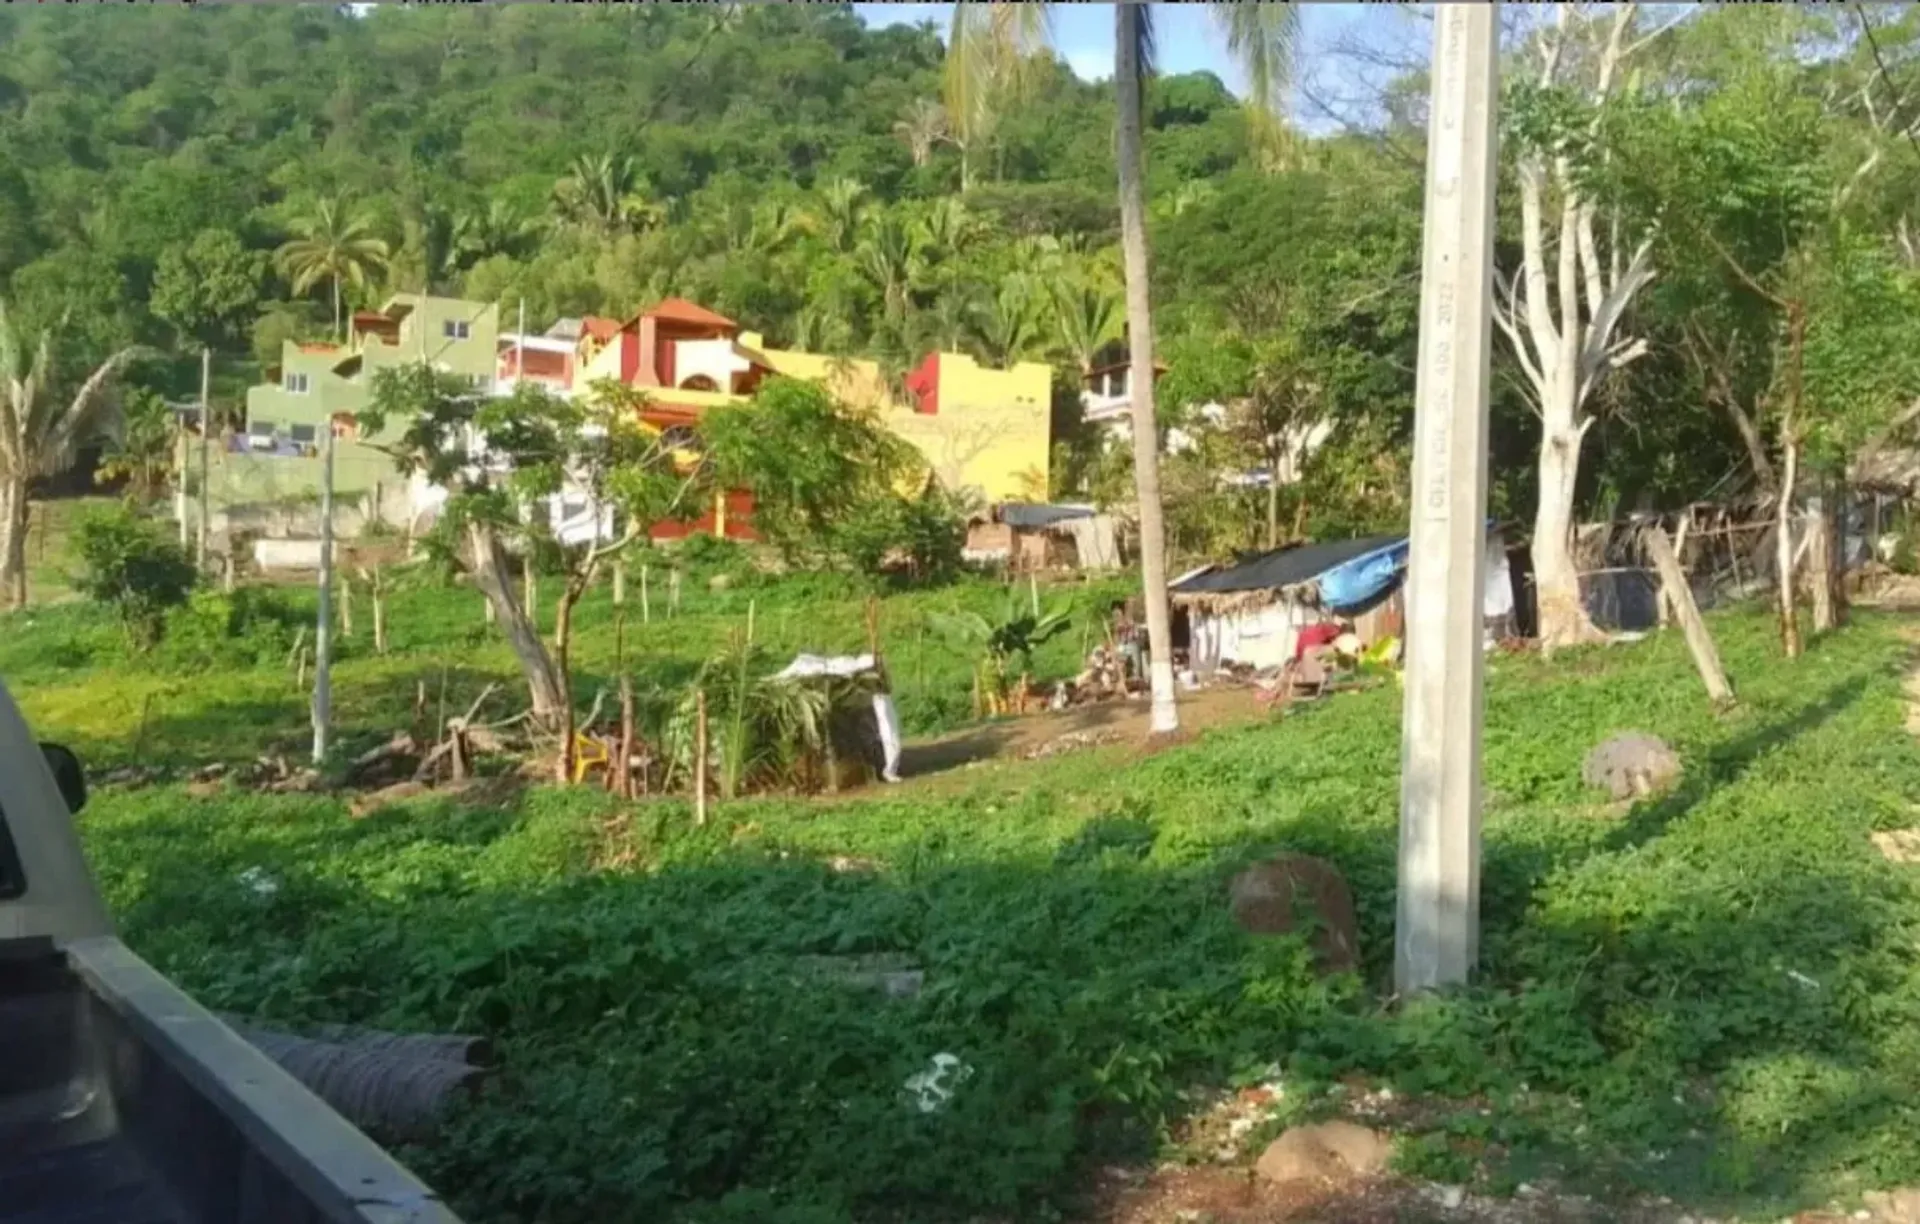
(807, 665)
(887, 715)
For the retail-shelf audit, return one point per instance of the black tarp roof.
(1284, 567)
(1018, 514)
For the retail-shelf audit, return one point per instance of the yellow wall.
(993, 431)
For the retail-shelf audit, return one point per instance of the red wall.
(739, 524)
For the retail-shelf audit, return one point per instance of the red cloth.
(1315, 635)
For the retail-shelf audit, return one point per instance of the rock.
(1898, 845)
(1329, 1151)
(1631, 765)
(1280, 895)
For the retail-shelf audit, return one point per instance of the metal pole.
(1437, 931)
(206, 433)
(323, 626)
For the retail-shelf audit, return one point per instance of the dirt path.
(1106, 722)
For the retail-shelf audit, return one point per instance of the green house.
(277, 455)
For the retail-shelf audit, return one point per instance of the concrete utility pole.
(323, 623)
(1437, 931)
(206, 434)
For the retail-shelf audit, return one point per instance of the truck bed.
(103, 1182)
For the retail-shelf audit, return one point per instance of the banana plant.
(999, 644)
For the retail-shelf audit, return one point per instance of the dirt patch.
(1102, 724)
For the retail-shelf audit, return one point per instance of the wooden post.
(750, 605)
(487, 614)
(623, 768)
(700, 757)
(531, 597)
(1677, 593)
(1819, 564)
(379, 613)
(619, 582)
(226, 577)
(673, 594)
(346, 606)
(646, 612)
(1437, 926)
(1033, 593)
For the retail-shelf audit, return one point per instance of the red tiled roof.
(319, 348)
(599, 328)
(680, 310)
(371, 316)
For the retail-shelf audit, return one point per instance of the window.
(455, 329)
(295, 383)
(1117, 382)
(258, 428)
(303, 434)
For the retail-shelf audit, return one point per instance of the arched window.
(699, 382)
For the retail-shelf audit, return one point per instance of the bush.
(251, 626)
(127, 562)
(923, 536)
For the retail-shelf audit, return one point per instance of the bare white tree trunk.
(1129, 85)
(1560, 311)
(13, 541)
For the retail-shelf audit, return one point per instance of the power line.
(1873, 44)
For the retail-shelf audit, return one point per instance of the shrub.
(252, 625)
(127, 562)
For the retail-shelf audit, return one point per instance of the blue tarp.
(1359, 582)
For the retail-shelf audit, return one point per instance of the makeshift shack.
(1252, 614)
(1027, 538)
(879, 739)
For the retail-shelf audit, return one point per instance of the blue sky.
(1187, 38)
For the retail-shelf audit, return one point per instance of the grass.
(1712, 995)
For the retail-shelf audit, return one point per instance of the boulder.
(1299, 893)
(1631, 765)
(1327, 1151)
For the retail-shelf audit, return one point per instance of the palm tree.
(991, 66)
(889, 257)
(1086, 318)
(331, 245)
(842, 204)
(1004, 325)
(607, 193)
(989, 50)
(38, 436)
(923, 126)
(499, 229)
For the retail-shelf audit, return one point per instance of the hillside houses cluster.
(983, 432)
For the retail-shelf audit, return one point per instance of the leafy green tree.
(205, 287)
(810, 463)
(502, 462)
(39, 432)
(126, 561)
(333, 245)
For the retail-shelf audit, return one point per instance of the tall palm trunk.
(13, 542)
(339, 333)
(1129, 85)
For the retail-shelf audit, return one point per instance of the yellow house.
(982, 431)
